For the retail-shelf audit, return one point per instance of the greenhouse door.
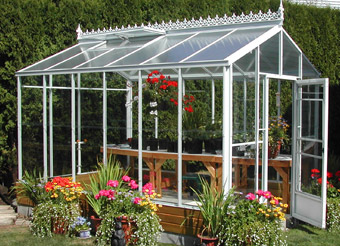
(310, 136)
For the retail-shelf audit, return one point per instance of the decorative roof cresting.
(186, 24)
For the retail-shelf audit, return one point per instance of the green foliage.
(333, 214)
(33, 187)
(112, 171)
(214, 206)
(49, 216)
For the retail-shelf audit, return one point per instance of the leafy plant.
(121, 199)
(253, 223)
(213, 205)
(33, 187)
(112, 171)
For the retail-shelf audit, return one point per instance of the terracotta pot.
(208, 240)
(273, 152)
(59, 226)
(95, 222)
(129, 227)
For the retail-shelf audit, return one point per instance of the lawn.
(19, 235)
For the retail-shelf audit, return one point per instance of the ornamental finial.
(281, 9)
(79, 32)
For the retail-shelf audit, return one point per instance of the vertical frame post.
(104, 120)
(19, 112)
(73, 126)
(51, 122)
(257, 115)
(213, 101)
(227, 128)
(45, 137)
(179, 134)
(265, 134)
(79, 119)
(140, 130)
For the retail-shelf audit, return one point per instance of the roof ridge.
(186, 24)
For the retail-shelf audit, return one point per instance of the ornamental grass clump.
(121, 198)
(252, 222)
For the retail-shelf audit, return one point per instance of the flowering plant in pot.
(58, 213)
(255, 219)
(277, 135)
(82, 227)
(121, 199)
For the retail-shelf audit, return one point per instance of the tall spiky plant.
(213, 205)
(111, 171)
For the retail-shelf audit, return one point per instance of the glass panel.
(312, 92)
(311, 175)
(108, 57)
(290, 58)
(150, 51)
(311, 119)
(187, 48)
(91, 80)
(61, 56)
(308, 70)
(230, 44)
(246, 64)
(62, 146)
(311, 147)
(32, 129)
(269, 55)
(79, 59)
(33, 80)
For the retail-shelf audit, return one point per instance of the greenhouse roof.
(202, 47)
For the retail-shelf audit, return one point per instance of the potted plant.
(98, 181)
(193, 125)
(56, 214)
(277, 135)
(120, 199)
(213, 205)
(82, 227)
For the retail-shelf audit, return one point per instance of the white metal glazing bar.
(179, 135)
(51, 123)
(257, 116)
(73, 127)
(45, 128)
(140, 130)
(104, 120)
(19, 112)
(265, 106)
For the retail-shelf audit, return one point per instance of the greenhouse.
(178, 100)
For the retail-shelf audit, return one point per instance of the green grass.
(20, 235)
(304, 235)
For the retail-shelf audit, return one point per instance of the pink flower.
(133, 184)
(250, 196)
(113, 183)
(97, 196)
(137, 200)
(267, 194)
(126, 178)
(260, 192)
(148, 188)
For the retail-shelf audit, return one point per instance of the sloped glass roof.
(201, 46)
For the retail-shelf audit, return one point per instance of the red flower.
(320, 181)
(329, 175)
(315, 170)
(315, 175)
(162, 77)
(155, 80)
(337, 173)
